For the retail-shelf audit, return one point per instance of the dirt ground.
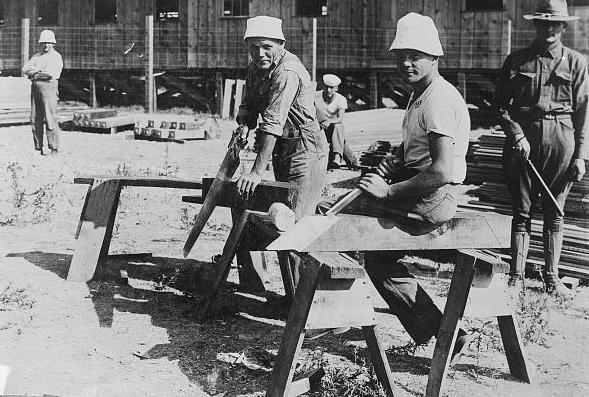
(108, 338)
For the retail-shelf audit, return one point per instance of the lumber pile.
(485, 169)
(172, 128)
(102, 120)
(22, 116)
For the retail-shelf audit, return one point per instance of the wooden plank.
(227, 95)
(328, 311)
(513, 346)
(147, 181)
(238, 94)
(465, 230)
(96, 231)
(453, 311)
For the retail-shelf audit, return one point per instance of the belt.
(535, 115)
(558, 116)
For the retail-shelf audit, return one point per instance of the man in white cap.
(420, 177)
(279, 91)
(542, 96)
(331, 107)
(44, 69)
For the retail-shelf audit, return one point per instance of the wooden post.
(508, 36)
(462, 84)
(226, 110)
(149, 79)
(238, 94)
(24, 43)
(93, 100)
(373, 89)
(219, 81)
(314, 67)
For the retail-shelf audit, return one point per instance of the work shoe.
(554, 286)
(460, 346)
(54, 152)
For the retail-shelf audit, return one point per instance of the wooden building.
(205, 35)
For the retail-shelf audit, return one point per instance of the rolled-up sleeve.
(283, 92)
(580, 113)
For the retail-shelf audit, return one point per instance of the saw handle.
(343, 202)
(545, 189)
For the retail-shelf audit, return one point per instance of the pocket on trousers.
(438, 207)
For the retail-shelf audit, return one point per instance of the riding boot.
(520, 244)
(552, 249)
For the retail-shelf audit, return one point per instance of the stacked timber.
(485, 169)
(22, 116)
(107, 120)
(173, 128)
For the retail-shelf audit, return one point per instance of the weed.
(170, 168)
(164, 281)
(186, 220)
(123, 169)
(28, 207)
(15, 298)
(533, 310)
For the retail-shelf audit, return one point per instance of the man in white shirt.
(44, 69)
(420, 177)
(331, 107)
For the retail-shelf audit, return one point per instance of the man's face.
(46, 47)
(330, 91)
(549, 31)
(264, 51)
(414, 65)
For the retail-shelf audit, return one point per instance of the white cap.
(417, 32)
(264, 26)
(331, 80)
(47, 36)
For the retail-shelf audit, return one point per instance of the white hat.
(264, 26)
(331, 80)
(417, 32)
(47, 36)
(552, 10)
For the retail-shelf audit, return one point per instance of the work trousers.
(400, 290)
(335, 135)
(44, 96)
(552, 144)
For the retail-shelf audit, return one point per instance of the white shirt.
(440, 109)
(330, 109)
(49, 62)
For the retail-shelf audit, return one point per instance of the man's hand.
(577, 170)
(325, 124)
(374, 185)
(247, 183)
(522, 147)
(388, 166)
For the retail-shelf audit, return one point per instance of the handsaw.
(310, 227)
(224, 175)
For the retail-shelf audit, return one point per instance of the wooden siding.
(355, 35)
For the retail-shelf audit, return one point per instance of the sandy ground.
(106, 338)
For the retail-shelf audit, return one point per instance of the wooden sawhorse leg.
(224, 264)
(95, 229)
(322, 290)
(460, 287)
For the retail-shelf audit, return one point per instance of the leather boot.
(552, 249)
(520, 244)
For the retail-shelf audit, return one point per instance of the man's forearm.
(264, 156)
(421, 184)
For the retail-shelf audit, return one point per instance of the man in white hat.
(542, 96)
(279, 92)
(421, 177)
(331, 107)
(44, 69)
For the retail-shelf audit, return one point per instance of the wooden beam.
(138, 181)
(24, 42)
(266, 193)
(238, 94)
(365, 233)
(225, 111)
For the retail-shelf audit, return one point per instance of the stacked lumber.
(107, 120)
(485, 169)
(171, 128)
(22, 116)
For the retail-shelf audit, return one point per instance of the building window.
(105, 11)
(167, 10)
(484, 5)
(47, 12)
(236, 8)
(311, 8)
(2, 22)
